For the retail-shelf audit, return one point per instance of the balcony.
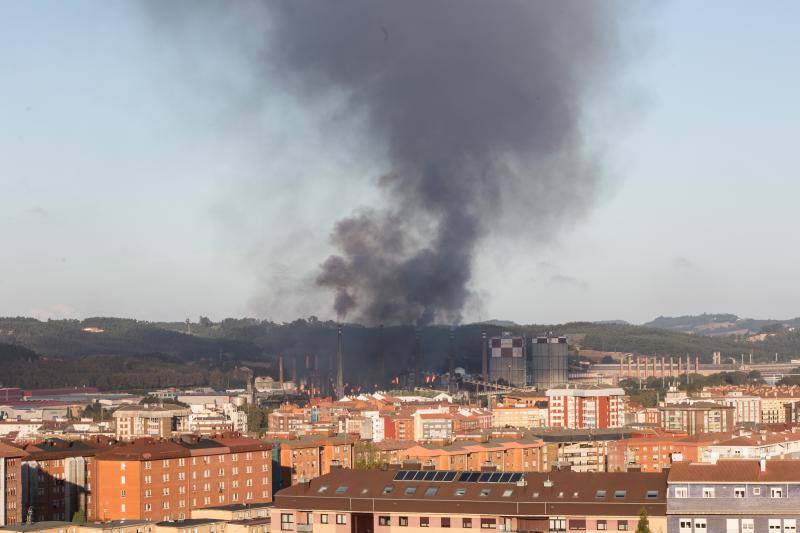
(305, 528)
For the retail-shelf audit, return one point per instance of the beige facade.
(150, 421)
(519, 417)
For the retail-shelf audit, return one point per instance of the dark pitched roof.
(563, 492)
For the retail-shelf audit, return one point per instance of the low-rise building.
(734, 496)
(386, 501)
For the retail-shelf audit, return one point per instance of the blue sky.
(127, 189)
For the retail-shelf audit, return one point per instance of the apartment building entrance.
(362, 523)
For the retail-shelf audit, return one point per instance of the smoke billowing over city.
(479, 106)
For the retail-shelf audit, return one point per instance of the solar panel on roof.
(473, 477)
(430, 475)
(515, 478)
(440, 475)
(463, 477)
(449, 476)
(505, 478)
(483, 478)
(494, 478)
(400, 475)
(419, 475)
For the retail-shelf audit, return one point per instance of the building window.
(708, 492)
(556, 524)
(732, 525)
(489, 523)
(424, 521)
(466, 523)
(577, 525)
(738, 492)
(622, 526)
(287, 521)
(790, 525)
(685, 525)
(756, 491)
(323, 518)
(776, 492)
(384, 521)
(445, 522)
(341, 519)
(681, 492)
(403, 521)
(602, 525)
(748, 525)
(699, 525)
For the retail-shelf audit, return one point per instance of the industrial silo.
(549, 361)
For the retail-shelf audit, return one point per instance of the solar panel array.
(463, 477)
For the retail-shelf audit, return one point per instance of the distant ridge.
(721, 324)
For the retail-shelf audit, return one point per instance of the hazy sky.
(138, 179)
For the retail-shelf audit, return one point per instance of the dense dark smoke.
(479, 105)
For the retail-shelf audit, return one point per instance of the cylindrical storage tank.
(549, 362)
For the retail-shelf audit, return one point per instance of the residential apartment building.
(57, 477)
(506, 455)
(158, 480)
(139, 421)
(586, 408)
(11, 509)
(700, 417)
(652, 454)
(519, 416)
(734, 496)
(413, 501)
(310, 457)
(757, 445)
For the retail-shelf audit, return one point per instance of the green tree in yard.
(79, 517)
(644, 523)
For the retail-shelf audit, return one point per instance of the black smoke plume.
(480, 107)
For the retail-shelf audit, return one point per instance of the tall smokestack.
(484, 360)
(417, 359)
(339, 363)
(452, 357)
(381, 358)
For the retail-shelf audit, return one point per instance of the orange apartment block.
(310, 457)
(654, 454)
(513, 455)
(56, 475)
(157, 480)
(11, 510)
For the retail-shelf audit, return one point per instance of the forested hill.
(724, 324)
(124, 353)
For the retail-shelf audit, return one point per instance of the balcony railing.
(305, 528)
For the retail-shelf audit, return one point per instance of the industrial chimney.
(339, 364)
(484, 360)
(452, 356)
(417, 359)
